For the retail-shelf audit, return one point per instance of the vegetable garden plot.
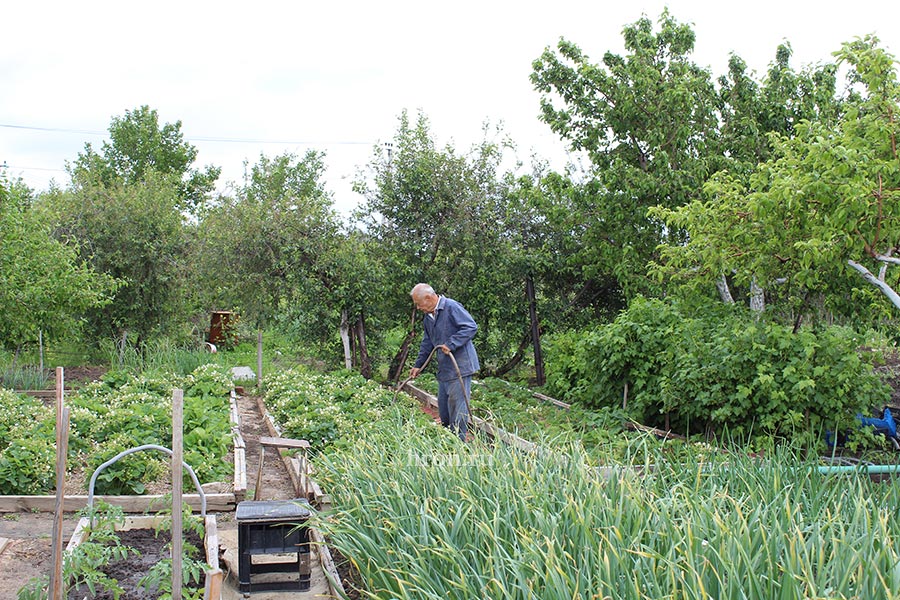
(428, 518)
(114, 556)
(107, 417)
(515, 409)
(424, 516)
(331, 411)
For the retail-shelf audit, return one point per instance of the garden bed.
(108, 417)
(143, 533)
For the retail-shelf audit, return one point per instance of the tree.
(822, 211)
(44, 286)
(751, 112)
(137, 146)
(136, 234)
(441, 217)
(647, 121)
(276, 251)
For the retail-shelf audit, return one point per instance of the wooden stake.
(259, 350)
(62, 444)
(177, 479)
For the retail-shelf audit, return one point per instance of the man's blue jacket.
(453, 326)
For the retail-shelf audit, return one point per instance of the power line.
(227, 140)
(4, 165)
(54, 129)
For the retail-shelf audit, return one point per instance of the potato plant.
(118, 412)
(331, 410)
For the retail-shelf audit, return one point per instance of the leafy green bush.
(722, 370)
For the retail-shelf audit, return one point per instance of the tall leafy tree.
(821, 216)
(44, 285)
(647, 121)
(440, 216)
(136, 234)
(276, 251)
(138, 145)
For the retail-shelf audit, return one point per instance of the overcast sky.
(277, 76)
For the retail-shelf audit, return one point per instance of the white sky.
(335, 75)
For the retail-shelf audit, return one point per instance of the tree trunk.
(516, 359)
(399, 360)
(724, 291)
(365, 365)
(757, 297)
(535, 331)
(345, 338)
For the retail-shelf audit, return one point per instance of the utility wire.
(198, 138)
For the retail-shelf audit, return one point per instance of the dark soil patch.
(350, 577)
(82, 375)
(152, 548)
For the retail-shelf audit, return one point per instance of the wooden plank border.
(130, 504)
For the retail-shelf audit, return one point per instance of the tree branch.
(888, 259)
(884, 287)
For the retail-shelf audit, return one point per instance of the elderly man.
(450, 328)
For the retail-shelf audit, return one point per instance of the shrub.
(721, 369)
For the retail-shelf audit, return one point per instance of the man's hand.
(444, 348)
(414, 372)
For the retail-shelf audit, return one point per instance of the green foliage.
(422, 520)
(44, 285)
(157, 355)
(138, 146)
(23, 378)
(136, 234)
(722, 370)
(821, 206)
(647, 121)
(158, 579)
(435, 214)
(120, 412)
(276, 252)
(27, 445)
(332, 410)
(84, 565)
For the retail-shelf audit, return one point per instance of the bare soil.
(128, 572)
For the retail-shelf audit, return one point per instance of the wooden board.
(130, 504)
